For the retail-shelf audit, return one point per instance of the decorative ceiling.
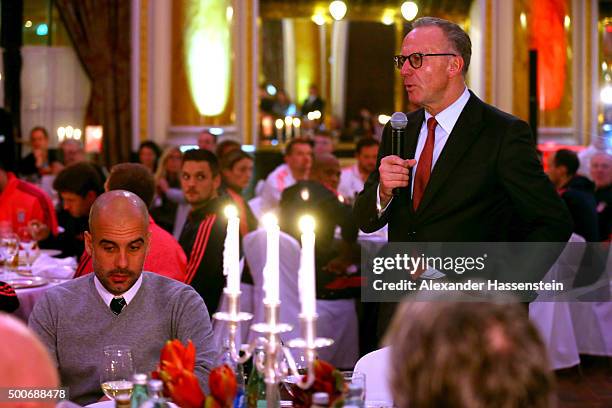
(363, 9)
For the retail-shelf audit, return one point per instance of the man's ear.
(455, 66)
(88, 243)
(217, 181)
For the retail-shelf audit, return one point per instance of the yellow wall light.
(207, 49)
(337, 9)
(409, 10)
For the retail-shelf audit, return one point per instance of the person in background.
(298, 160)
(282, 105)
(203, 236)
(23, 204)
(323, 143)
(353, 178)
(236, 172)
(41, 160)
(78, 186)
(72, 152)
(318, 197)
(601, 174)
(24, 363)
(313, 102)
(119, 303)
(577, 192)
(226, 146)
(207, 141)
(452, 352)
(165, 256)
(167, 178)
(148, 155)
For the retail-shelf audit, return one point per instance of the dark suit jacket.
(487, 185)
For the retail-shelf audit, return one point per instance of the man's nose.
(406, 69)
(122, 259)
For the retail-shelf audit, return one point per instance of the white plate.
(23, 283)
(50, 252)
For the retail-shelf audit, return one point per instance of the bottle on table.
(320, 400)
(139, 390)
(226, 358)
(256, 386)
(155, 400)
(354, 396)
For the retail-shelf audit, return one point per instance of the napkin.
(57, 268)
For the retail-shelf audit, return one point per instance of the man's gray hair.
(458, 38)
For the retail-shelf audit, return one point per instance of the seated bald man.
(119, 304)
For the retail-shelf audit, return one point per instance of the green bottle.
(256, 386)
(139, 391)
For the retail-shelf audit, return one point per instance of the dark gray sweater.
(74, 323)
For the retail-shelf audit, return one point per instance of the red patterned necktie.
(424, 165)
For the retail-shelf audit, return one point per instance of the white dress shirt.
(107, 297)
(350, 182)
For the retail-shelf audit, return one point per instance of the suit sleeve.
(531, 192)
(365, 209)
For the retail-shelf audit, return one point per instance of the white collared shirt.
(351, 182)
(107, 297)
(446, 122)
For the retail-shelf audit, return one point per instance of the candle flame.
(230, 211)
(269, 220)
(307, 223)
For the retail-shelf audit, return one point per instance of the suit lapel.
(464, 134)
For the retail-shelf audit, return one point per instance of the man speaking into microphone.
(468, 172)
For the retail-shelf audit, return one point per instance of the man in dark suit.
(313, 102)
(475, 175)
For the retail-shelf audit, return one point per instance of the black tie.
(117, 305)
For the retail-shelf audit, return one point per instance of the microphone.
(399, 121)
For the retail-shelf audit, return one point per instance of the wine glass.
(27, 241)
(9, 245)
(290, 386)
(117, 370)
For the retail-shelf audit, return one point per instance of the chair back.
(289, 263)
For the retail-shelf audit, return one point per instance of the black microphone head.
(399, 120)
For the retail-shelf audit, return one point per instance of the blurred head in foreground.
(457, 353)
(24, 361)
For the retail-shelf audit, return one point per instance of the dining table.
(30, 284)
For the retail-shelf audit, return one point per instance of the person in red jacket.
(22, 204)
(165, 257)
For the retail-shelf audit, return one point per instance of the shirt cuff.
(380, 210)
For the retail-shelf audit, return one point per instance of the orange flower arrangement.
(327, 379)
(176, 370)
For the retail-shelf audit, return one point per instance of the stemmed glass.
(290, 386)
(27, 241)
(117, 371)
(9, 245)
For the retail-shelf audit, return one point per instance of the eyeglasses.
(415, 59)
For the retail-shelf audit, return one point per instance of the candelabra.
(270, 330)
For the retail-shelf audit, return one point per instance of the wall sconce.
(409, 10)
(337, 9)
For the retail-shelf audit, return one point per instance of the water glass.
(27, 241)
(116, 371)
(9, 246)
